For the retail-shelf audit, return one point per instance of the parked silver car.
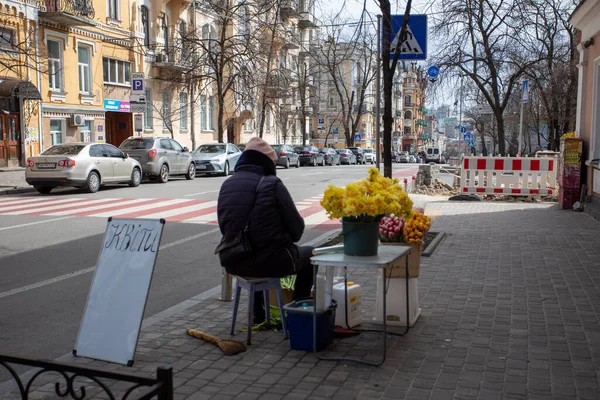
(216, 158)
(160, 157)
(82, 165)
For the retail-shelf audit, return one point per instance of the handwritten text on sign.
(133, 237)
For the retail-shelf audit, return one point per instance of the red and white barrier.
(506, 175)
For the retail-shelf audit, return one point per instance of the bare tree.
(350, 66)
(554, 78)
(486, 41)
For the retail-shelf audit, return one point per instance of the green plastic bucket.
(360, 238)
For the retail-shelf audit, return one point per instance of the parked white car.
(81, 165)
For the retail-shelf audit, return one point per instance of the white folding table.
(387, 257)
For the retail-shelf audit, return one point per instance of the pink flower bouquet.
(390, 228)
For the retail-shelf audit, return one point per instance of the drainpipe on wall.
(39, 78)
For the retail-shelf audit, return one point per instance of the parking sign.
(137, 83)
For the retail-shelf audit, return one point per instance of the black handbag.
(237, 248)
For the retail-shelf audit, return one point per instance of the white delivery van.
(434, 154)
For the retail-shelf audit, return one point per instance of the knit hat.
(257, 144)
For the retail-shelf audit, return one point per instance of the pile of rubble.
(437, 188)
(519, 199)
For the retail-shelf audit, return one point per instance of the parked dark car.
(395, 156)
(287, 156)
(310, 155)
(331, 156)
(347, 157)
(160, 157)
(360, 155)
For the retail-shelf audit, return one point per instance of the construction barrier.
(509, 176)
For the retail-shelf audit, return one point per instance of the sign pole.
(524, 99)
(378, 94)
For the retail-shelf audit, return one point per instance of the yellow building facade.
(19, 79)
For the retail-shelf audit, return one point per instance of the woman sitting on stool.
(275, 224)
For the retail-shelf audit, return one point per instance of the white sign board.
(137, 83)
(138, 123)
(115, 306)
(525, 91)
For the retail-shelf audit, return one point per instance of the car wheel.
(191, 172)
(287, 163)
(44, 189)
(136, 178)
(298, 163)
(92, 183)
(314, 162)
(323, 162)
(163, 176)
(226, 169)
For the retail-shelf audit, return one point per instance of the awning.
(10, 87)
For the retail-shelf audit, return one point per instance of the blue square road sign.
(414, 45)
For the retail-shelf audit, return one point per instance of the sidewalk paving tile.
(510, 310)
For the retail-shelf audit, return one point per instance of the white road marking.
(32, 223)
(104, 202)
(199, 193)
(202, 219)
(92, 208)
(87, 270)
(316, 219)
(128, 210)
(314, 173)
(17, 207)
(182, 210)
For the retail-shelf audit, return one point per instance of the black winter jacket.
(275, 223)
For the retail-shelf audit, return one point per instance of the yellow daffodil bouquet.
(367, 200)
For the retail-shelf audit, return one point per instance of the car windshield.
(137, 144)
(368, 150)
(210, 149)
(64, 150)
(277, 147)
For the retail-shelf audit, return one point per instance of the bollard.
(414, 183)
(406, 184)
(226, 284)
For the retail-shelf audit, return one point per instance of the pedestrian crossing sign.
(414, 43)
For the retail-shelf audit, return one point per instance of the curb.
(434, 244)
(17, 190)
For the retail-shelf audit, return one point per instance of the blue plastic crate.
(300, 325)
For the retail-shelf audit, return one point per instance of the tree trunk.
(501, 138)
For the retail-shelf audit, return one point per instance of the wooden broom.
(229, 347)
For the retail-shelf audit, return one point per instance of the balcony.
(172, 59)
(307, 17)
(307, 47)
(67, 12)
(399, 114)
(289, 8)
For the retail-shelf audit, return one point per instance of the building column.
(582, 66)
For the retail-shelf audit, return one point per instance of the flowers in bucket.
(409, 228)
(367, 200)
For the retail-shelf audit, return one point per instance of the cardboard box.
(414, 261)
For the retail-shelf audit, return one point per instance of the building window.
(54, 65)
(56, 134)
(203, 112)
(407, 115)
(86, 131)
(146, 25)
(166, 109)
(85, 77)
(148, 114)
(211, 113)
(183, 41)
(183, 111)
(407, 101)
(331, 101)
(165, 30)
(7, 38)
(116, 71)
(113, 9)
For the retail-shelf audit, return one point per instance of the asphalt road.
(48, 249)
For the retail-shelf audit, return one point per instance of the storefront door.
(118, 127)
(10, 140)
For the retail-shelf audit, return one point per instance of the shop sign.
(117, 105)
